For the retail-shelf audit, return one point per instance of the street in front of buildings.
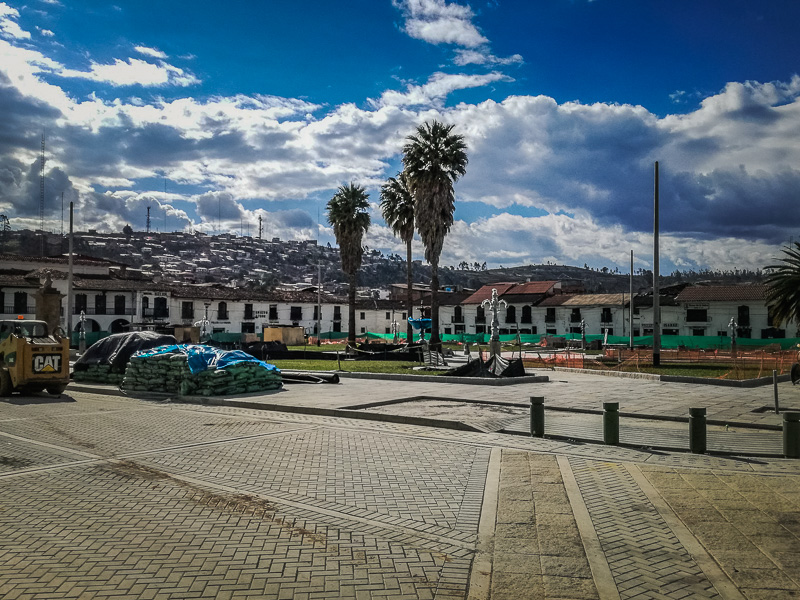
(105, 496)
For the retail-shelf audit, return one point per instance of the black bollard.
(791, 434)
(537, 416)
(611, 423)
(697, 430)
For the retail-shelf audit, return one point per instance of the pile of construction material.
(105, 374)
(199, 370)
(105, 361)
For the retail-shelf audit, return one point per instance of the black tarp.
(496, 366)
(116, 350)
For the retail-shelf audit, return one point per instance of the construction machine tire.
(6, 386)
(56, 390)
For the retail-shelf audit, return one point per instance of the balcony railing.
(457, 319)
(12, 310)
(92, 310)
(155, 313)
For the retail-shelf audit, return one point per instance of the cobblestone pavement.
(110, 497)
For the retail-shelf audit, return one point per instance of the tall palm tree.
(397, 205)
(434, 158)
(347, 213)
(783, 296)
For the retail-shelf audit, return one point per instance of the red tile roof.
(530, 287)
(723, 293)
(485, 293)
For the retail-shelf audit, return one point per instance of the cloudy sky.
(214, 114)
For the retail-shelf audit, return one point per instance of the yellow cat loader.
(32, 359)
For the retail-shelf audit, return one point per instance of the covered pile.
(199, 370)
(105, 360)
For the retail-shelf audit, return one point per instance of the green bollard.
(697, 430)
(611, 423)
(537, 416)
(791, 434)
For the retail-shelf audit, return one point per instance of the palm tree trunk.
(409, 294)
(435, 343)
(351, 311)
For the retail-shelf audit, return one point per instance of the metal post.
(611, 423)
(656, 298)
(697, 430)
(537, 416)
(775, 390)
(630, 308)
(70, 299)
(791, 434)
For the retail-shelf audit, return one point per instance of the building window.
(248, 313)
(388, 316)
(146, 312)
(550, 331)
(222, 311)
(388, 330)
(447, 331)
(80, 302)
(404, 317)
(363, 316)
(480, 316)
(743, 316)
(511, 314)
(458, 315)
(480, 329)
(119, 305)
(550, 315)
(337, 313)
(316, 313)
(337, 326)
(296, 313)
(363, 330)
(605, 315)
(696, 315)
(608, 330)
(160, 308)
(575, 316)
(100, 304)
(526, 315)
(273, 312)
(248, 327)
(698, 331)
(187, 310)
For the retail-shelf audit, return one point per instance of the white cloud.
(438, 22)
(476, 57)
(438, 87)
(134, 72)
(45, 32)
(8, 24)
(155, 53)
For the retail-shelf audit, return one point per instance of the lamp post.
(733, 325)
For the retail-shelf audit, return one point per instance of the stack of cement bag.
(105, 361)
(199, 370)
(105, 374)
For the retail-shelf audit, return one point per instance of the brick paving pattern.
(646, 558)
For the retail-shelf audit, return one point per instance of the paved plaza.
(324, 491)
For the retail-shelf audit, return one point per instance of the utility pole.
(656, 299)
(319, 302)
(70, 295)
(41, 197)
(630, 309)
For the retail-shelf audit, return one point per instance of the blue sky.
(249, 109)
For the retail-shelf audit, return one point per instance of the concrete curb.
(744, 383)
(447, 379)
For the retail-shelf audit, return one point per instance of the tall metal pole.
(656, 303)
(630, 307)
(319, 302)
(70, 296)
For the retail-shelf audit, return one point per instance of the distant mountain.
(247, 261)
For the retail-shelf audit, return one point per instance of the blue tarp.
(201, 357)
(420, 323)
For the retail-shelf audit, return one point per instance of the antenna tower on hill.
(41, 196)
(147, 223)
